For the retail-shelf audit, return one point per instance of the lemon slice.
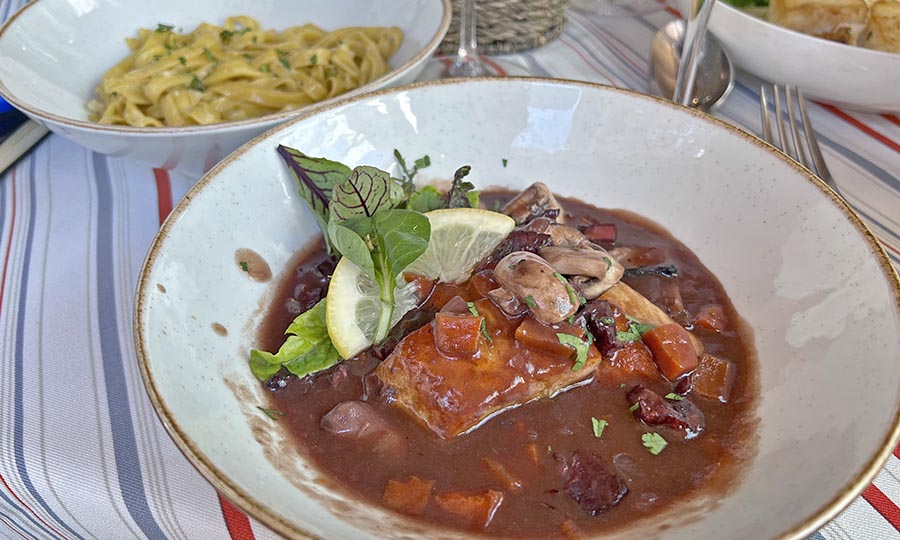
(460, 237)
(354, 304)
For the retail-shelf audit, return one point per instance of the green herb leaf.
(608, 262)
(331, 72)
(580, 346)
(598, 426)
(635, 329)
(366, 191)
(264, 68)
(458, 197)
(423, 162)
(426, 199)
(316, 178)
(244, 266)
(634, 407)
(654, 443)
(164, 27)
(472, 309)
(607, 320)
(197, 84)
(182, 60)
(209, 54)
(352, 245)
(283, 58)
(225, 36)
(271, 413)
(484, 332)
(306, 350)
(314, 59)
(530, 302)
(674, 397)
(504, 161)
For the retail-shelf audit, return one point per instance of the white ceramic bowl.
(852, 77)
(54, 52)
(820, 294)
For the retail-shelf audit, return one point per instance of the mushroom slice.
(594, 270)
(532, 280)
(531, 203)
(565, 236)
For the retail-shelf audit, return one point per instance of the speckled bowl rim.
(261, 121)
(805, 526)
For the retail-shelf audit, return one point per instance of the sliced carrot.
(672, 350)
(475, 510)
(408, 496)
(457, 335)
(714, 378)
(502, 474)
(711, 317)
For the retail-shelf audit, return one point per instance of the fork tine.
(764, 115)
(795, 129)
(782, 137)
(821, 169)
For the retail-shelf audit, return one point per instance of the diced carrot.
(672, 350)
(482, 283)
(444, 292)
(711, 317)
(713, 378)
(475, 510)
(408, 496)
(502, 474)
(457, 335)
(534, 453)
(535, 335)
(570, 530)
(634, 359)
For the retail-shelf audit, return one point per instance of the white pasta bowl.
(852, 77)
(53, 54)
(818, 291)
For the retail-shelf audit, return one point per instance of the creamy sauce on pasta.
(237, 71)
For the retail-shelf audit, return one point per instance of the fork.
(809, 154)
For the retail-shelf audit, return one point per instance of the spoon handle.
(696, 18)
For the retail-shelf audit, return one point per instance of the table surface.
(82, 453)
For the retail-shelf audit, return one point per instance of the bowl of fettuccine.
(179, 85)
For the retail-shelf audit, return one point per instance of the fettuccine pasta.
(238, 71)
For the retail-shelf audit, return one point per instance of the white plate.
(852, 77)
(818, 291)
(54, 52)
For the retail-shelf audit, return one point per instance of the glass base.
(444, 67)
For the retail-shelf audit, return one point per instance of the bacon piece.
(474, 510)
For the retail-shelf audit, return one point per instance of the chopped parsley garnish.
(634, 407)
(225, 35)
(209, 54)
(674, 397)
(164, 27)
(331, 72)
(183, 60)
(504, 162)
(197, 84)
(529, 300)
(474, 311)
(654, 443)
(264, 68)
(608, 262)
(635, 329)
(314, 59)
(270, 413)
(282, 57)
(244, 266)
(608, 320)
(580, 346)
(598, 426)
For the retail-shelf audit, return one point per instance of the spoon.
(715, 73)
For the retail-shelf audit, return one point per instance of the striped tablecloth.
(82, 453)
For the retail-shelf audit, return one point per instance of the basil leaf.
(426, 199)
(316, 178)
(402, 236)
(458, 196)
(366, 191)
(350, 244)
(306, 350)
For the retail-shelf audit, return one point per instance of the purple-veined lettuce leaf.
(366, 191)
(316, 179)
